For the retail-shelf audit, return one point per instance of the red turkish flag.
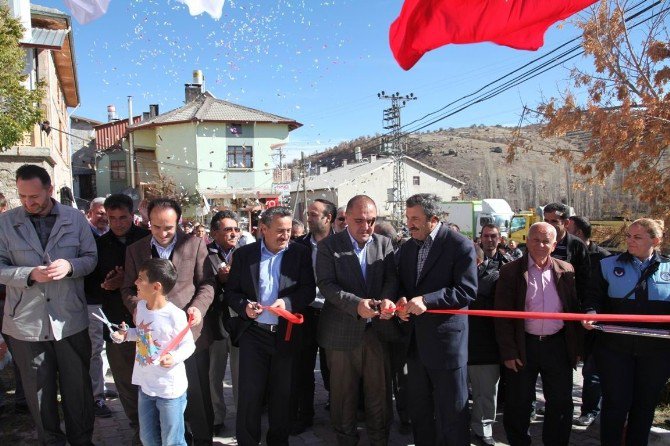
(424, 25)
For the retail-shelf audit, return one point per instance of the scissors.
(106, 321)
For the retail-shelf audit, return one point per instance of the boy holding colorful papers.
(164, 341)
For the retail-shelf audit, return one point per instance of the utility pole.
(131, 146)
(397, 150)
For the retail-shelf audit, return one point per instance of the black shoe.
(405, 428)
(110, 394)
(101, 410)
(485, 441)
(300, 426)
(219, 429)
(21, 408)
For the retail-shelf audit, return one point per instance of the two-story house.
(222, 150)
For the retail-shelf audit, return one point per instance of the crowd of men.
(364, 297)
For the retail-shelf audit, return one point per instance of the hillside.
(476, 155)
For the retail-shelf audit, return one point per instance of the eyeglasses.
(340, 218)
(230, 229)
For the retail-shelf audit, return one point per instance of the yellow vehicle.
(610, 234)
(520, 225)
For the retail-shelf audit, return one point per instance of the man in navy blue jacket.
(437, 270)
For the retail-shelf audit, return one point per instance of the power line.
(558, 60)
(532, 73)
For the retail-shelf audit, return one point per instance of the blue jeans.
(161, 420)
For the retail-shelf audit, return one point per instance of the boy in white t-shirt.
(160, 375)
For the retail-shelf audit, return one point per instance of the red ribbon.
(177, 339)
(292, 318)
(655, 318)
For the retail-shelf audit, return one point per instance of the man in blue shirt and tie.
(268, 273)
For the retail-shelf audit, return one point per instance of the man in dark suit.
(225, 233)
(438, 270)
(268, 273)
(538, 282)
(194, 293)
(569, 248)
(320, 216)
(580, 227)
(356, 274)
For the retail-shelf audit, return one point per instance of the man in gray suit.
(356, 274)
(46, 250)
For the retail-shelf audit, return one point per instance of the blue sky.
(318, 62)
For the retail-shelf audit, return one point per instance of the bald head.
(542, 227)
(360, 217)
(541, 242)
(360, 201)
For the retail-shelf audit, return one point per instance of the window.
(118, 169)
(416, 181)
(235, 129)
(240, 157)
(518, 224)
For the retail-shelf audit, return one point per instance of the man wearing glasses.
(226, 233)
(339, 224)
(356, 274)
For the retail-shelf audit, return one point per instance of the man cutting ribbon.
(438, 271)
(265, 278)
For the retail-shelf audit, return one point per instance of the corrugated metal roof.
(109, 134)
(207, 108)
(51, 39)
(355, 171)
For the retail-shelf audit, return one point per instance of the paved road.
(115, 431)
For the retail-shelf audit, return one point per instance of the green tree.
(19, 107)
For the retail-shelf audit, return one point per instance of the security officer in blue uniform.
(633, 369)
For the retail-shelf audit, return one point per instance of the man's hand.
(416, 306)
(279, 303)
(222, 273)
(386, 309)
(253, 310)
(39, 274)
(365, 308)
(113, 280)
(58, 269)
(167, 360)
(513, 363)
(401, 310)
(197, 315)
(589, 325)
